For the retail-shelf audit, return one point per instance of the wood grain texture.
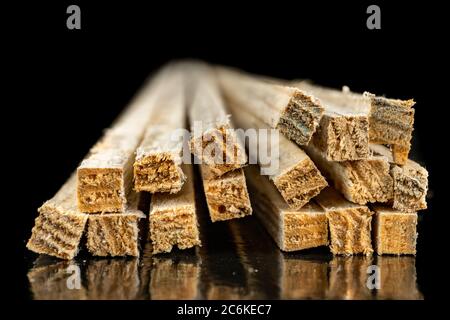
(350, 224)
(60, 225)
(291, 229)
(173, 218)
(157, 167)
(294, 112)
(115, 234)
(294, 174)
(105, 175)
(343, 132)
(410, 182)
(395, 232)
(213, 139)
(226, 196)
(360, 181)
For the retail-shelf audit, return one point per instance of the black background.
(73, 83)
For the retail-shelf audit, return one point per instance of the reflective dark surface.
(238, 260)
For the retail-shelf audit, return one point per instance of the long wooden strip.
(350, 224)
(115, 234)
(158, 158)
(410, 182)
(227, 196)
(291, 229)
(395, 232)
(213, 140)
(343, 132)
(390, 120)
(295, 113)
(360, 181)
(173, 218)
(106, 173)
(60, 225)
(292, 171)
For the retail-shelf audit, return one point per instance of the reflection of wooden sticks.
(395, 231)
(158, 158)
(115, 234)
(292, 111)
(410, 182)
(292, 229)
(398, 278)
(113, 279)
(227, 196)
(213, 141)
(106, 173)
(173, 217)
(294, 174)
(350, 223)
(360, 181)
(348, 278)
(343, 133)
(60, 225)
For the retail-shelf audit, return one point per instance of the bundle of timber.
(327, 168)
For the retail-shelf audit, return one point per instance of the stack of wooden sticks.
(341, 166)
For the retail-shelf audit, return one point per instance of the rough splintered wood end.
(158, 172)
(114, 234)
(219, 148)
(300, 118)
(350, 224)
(391, 122)
(59, 226)
(101, 190)
(173, 218)
(300, 184)
(395, 231)
(360, 181)
(343, 138)
(410, 182)
(227, 196)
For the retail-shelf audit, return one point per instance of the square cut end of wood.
(300, 184)
(300, 118)
(173, 218)
(57, 232)
(391, 122)
(343, 137)
(219, 149)
(305, 228)
(349, 223)
(100, 190)
(227, 196)
(114, 234)
(159, 172)
(395, 231)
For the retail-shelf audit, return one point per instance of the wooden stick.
(410, 182)
(294, 174)
(390, 120)
(292, 229)
(213, 140)
(395, 231)
(295, 113)
(60, 225)
(360, 181)
(158, 158)
(173, 218)
(350, 224)
(115, 234)
(343, 132)
(105, 175)
(227, 196)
